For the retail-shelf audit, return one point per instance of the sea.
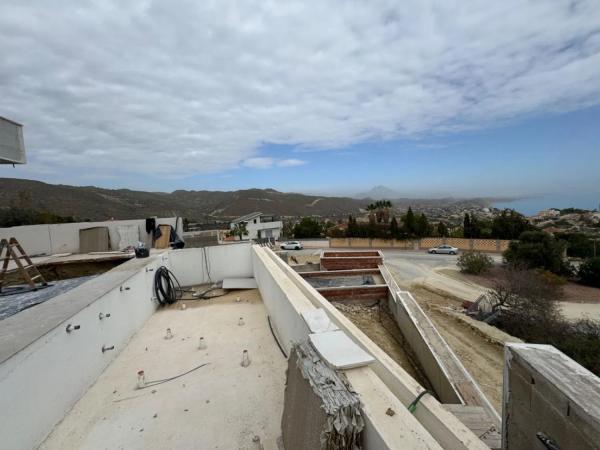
(532, 205)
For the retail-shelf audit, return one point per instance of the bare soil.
(572, 292)
(482, 358)
(382, 329)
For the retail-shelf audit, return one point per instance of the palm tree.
(239, 229)
(372, 207)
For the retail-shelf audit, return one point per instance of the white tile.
(339, 350)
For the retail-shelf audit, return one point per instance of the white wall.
(283, 300)
(64, 237)
(42, 382)
(224, 261)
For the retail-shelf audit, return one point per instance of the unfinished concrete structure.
(70, 367)
(550, 401)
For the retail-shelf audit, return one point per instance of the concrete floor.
(221, 405)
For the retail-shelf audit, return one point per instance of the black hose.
(164, 286)
(413, 406)
(275, 337)
(157, 382)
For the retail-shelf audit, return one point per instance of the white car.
(447, 249)
(292, 245)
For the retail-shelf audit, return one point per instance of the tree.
(394, 229)
(442, 229)
(372, 215)
(422, 226)
(409, 222)
(467, 226)
(510, 224)
(308, 228)
(537, 249)
(239, 229)
(526, 303)
(589, 272)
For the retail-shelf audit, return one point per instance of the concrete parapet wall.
(64, 237)
(40, 383)
(450, 379)
(547, 392)
(482, 245)
(447, 430)
(224, 261)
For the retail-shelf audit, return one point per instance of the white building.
(259, 226)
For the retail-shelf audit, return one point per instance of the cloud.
(290, 162)
(259, 163)
(157, 89)
(267, 163)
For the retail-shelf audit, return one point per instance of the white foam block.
(339, 350)
(318, 321)
(239, 283)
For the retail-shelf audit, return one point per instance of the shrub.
(589, 272)
(537, 249)
(552, 278)
(474, 262)
(526, 306)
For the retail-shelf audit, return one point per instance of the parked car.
(292, 245)
(447, 249)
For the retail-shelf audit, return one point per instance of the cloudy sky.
(429, 97)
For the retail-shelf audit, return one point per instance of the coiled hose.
(164, 286)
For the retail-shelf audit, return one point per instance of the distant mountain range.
(379, 193)
(93, 203)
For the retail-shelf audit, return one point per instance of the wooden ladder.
(29, 271)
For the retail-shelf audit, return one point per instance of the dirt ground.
(573, 292)
(376, 323)
(483, 359)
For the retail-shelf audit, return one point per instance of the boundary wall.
(482, 245)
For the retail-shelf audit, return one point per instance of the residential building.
(259, 226)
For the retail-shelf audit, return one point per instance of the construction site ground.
(477, 345)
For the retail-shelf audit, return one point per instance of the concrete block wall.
(547, 392)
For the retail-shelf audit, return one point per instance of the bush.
(552, 278)
(474, 262)
(526, 307)
(537, 249)
(589, 272)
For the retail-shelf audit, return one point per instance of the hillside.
(94, 203)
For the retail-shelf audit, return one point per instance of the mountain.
(379, 193)
(92, 203)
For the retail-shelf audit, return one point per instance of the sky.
(430, 98)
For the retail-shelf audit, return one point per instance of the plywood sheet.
(165, 237)
(94, 240)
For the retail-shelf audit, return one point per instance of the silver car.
(292, 245)
(447, 249)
